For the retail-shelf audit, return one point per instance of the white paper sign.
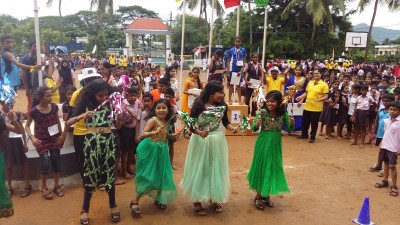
(235, 116)
(297, 111)
(235, 79)
(191, 98)
(254, 83)
(53, 130)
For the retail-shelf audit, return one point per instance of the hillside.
(378, 33)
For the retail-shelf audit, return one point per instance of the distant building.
(387, 49)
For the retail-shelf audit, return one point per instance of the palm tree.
(193, 4)
(393, 6)
(48, 4)
(103, 6)
(319, 10)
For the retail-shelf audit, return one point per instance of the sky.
(384, 17)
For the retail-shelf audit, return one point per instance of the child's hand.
(25, 148)
(157, 131)
(203, 133)
(258, 123)
(352, 119)
(60, 140)
(291, 121)
(36, 142)
(12, 115)
(88, 114)
(234, 130)
(137, 139)
(175, 135)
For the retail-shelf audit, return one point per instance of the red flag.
(231, 3)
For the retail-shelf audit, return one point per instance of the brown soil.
(328, 180)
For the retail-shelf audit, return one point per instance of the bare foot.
(321, 134)
(327, 137)
(340, 138)
(173, 167)
(119, 181)
(353, 143)
(362, 146)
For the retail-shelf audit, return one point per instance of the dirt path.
(328, 182)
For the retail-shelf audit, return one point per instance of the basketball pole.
(182, 46)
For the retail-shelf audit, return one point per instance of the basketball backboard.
(356, 40)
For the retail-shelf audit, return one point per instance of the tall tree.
(203, 4)
(49, 4)
(393, 6)
(129, 13)
(319, 10)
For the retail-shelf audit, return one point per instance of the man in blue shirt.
(236, 60)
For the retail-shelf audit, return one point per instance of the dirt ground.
(328, 181)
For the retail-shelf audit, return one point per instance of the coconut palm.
(103, 6)
(393, 6)
(319, 10)
(49, 4)
(193, 4)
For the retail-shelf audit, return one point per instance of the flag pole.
(211, 34)
(238, 20)
(182, 46)
(265, 35)
(37, 39)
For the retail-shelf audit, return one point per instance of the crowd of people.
(124, 113)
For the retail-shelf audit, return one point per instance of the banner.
(261, 3)
(231, 3)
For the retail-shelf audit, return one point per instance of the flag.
(261, 3)
(231, 3)
(94, 49)
(197, 52)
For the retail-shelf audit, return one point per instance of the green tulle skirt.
(154, 171)
(266, 175)
(206, 174)
(6, 205)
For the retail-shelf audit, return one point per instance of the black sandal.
(116, 216)
(84, 221)
(134, 210)
(160, 205)
(198, 209)
(394, 191)
(382, 184)
(258, 205)
(216, 207)
(266, 201)
(27, 191)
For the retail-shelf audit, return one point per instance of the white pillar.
(167, 47)
(128, 43)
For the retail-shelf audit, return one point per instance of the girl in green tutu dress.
(153, 165)
(266, 175)
(6, 206)
(206, 173)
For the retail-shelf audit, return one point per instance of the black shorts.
(388, 156)
(127, 136)
(361, 119)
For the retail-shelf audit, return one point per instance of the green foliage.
(129, 13)
(114, 37)
(195, 34)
